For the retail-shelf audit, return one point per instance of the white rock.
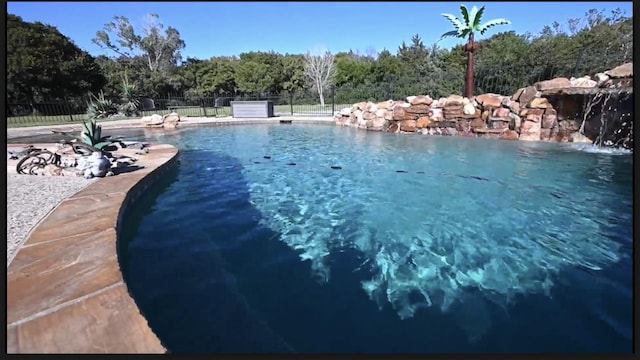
(583, 82)
(468, 109)
(154, 119)
(576, 137)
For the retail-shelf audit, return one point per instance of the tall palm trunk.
(469, 75)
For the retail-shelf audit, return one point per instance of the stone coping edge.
(65, 291)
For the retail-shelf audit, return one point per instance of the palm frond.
(455, 21)
(452, 33)
(491, 23)
(465, 14)
(477, 19)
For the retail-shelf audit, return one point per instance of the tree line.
(44, 65)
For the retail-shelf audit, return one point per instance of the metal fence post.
(204, 109)
(333, 100)
(291, 101)
(69, 112)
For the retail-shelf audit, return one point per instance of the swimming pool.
(320, 239)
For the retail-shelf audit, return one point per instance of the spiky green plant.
(130, 104)
(99, 107)
(470, 24)
(91, 134)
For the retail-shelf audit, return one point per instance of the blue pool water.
(409, 244)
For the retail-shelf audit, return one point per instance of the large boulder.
(153, 120)
(530, 131)
(420, 100)
(408, 125)
(553, 84)
(489, 100)
(622, 71)
(171, 121)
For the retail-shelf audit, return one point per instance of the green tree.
(292, 73)
(504, 64)
(152, 53)
(260, 72)
(43, 64)
(467, 27)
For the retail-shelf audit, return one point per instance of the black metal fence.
(489, 78)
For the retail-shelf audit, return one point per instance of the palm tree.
(468, 26)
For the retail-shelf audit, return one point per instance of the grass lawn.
(282, 110)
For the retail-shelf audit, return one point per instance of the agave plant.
(99, 107)
(467, 27)
(91, 134)
(130, 104)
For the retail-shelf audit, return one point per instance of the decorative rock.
(526, 112)
(514, 106)
(398, 112)
(385, 104)
(557, 83)
(171, 121)
(469, 109)
(437, 114)
(622, 71)
(95, 165)
(388, 115)
(515, 122)
(378, 124)
(152, 120)
(583, 82)
(579, 138)
(454, 100)
(368, 115)
(569, 125)
(410, 99)
(530, 131)
(450, 131)
(489, 100)
(534, 117)
(477, 124)
(498, 123)
(418, 109)
(508, 135)
(345, 111)
(528, 94)
(408, 125)
(549, 121)
(423, 122)
(442, 102)
(372, 107)
(545, 134)
(360, 106)
(516, 95)
(501, 113)
(601, 78)
(420, 100)
(485, 115)
(393, 128)
(539, 103)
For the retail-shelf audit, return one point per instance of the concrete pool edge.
(65, 289)
(19, 132)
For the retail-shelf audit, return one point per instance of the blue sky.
(230, 28)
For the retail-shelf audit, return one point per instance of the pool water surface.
(321, 239)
